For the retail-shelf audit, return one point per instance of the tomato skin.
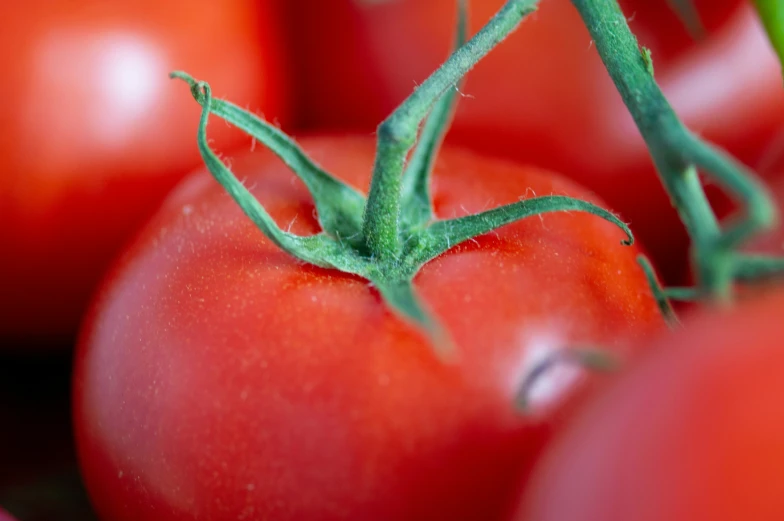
(693, 431)
(217, 376)
(95, 134)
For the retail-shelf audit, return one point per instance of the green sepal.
(689, 16)
(401, 297)
(443, 235)
(758, 268)
(339, 206)
(771, 12)
(659, 293)
(320, 249)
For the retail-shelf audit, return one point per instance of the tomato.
(94, 133)
(5, 516)
(217, 377)
(693, 431)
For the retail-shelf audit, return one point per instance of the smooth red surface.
(694, 431)
(94, 133)
(219, 378)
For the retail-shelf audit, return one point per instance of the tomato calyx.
(387, 237)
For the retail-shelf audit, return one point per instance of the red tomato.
(217, 377)
(695, 431)
(94, 133)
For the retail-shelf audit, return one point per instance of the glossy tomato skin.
(94, 133)
(694, 431)
(218, 377)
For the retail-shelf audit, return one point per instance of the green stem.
(676, 152)
(417, 205)
(397, 134)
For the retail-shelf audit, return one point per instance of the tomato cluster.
(365, 323)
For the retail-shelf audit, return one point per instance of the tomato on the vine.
(94, 134)
(218, 377)
(543, 96)
(695, 430)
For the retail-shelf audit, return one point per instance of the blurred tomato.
(693, 432)
(93, 133)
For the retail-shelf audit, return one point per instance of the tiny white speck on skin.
(187, 209)
(120, 474)
(251, 486)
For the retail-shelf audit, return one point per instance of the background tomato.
(695, 431)
(94, 133)
(219, 377)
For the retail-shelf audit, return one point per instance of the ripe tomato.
(94, 133)
(217, 377)
(695, 431)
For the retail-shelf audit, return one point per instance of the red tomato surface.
(543, 96)
(694, 431)
(93, 133)
(217, 377)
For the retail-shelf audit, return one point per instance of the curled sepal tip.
(339, 206)
(442, 235)
(315, 249)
